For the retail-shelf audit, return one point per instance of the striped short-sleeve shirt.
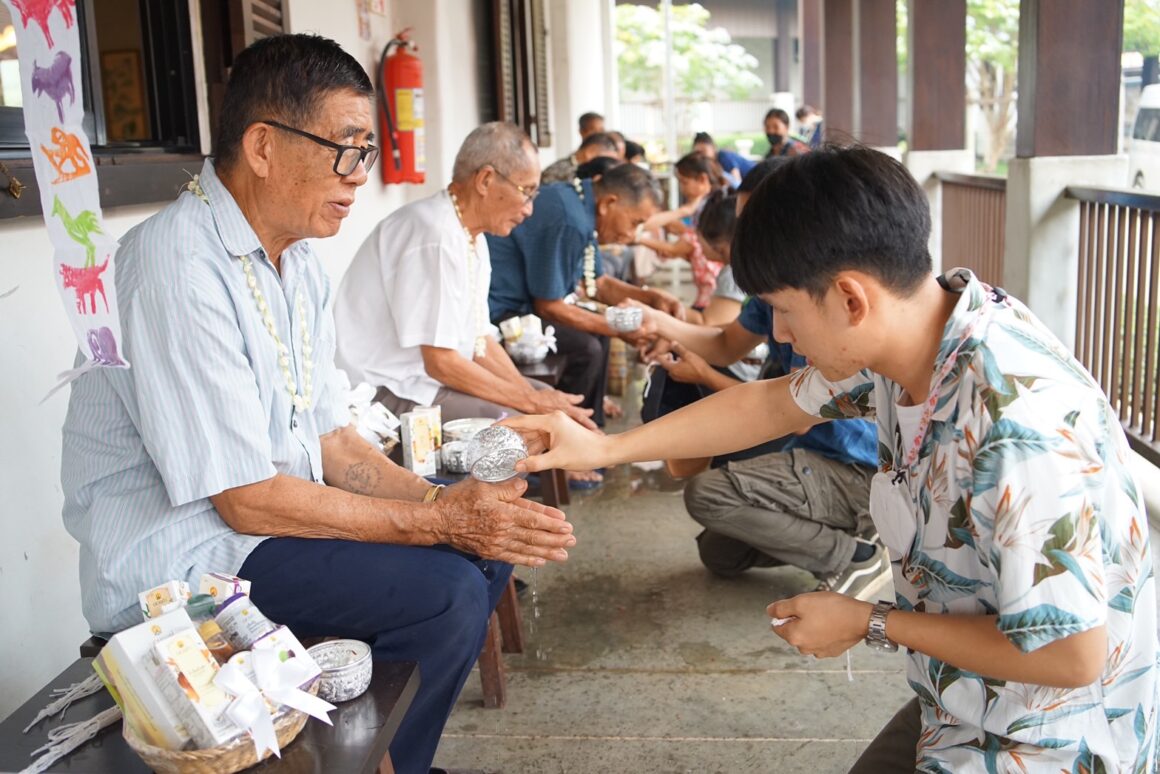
(205, 406)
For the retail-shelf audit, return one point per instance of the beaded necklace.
(480, 349)
(589, 250)
(305, 399)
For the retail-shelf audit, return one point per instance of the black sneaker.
(861, 580)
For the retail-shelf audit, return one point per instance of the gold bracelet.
(433, 493)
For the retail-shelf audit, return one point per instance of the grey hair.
(497, 144)
(631, 183)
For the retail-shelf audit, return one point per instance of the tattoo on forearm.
(363, 478)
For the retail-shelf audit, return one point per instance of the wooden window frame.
(153, 174)
(521, 66)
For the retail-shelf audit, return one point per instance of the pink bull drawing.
(56, 81)
(86, 282)
(39, 11)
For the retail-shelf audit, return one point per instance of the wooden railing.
(974, 218)
(1117, 325)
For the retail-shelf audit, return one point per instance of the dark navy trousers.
(411, 603)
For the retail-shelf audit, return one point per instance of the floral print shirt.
(1024, 509)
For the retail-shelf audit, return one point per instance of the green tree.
(992, 55)
(707, 64)
(1142, 26)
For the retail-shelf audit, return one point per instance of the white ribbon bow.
(550, 338)
(248, 709)
(280, 680)
(277, 682)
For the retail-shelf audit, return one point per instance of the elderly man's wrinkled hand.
(547, 401)
(492, 521)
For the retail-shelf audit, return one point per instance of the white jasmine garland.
(589, 250)
(304, 399)
(480, 348)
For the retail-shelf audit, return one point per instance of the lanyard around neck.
(936, 390)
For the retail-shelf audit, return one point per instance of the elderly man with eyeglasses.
(411, 312)
(227, 445)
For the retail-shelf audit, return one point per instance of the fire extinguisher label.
(420, 150)
(409, 109)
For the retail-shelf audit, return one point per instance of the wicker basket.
(226, 759)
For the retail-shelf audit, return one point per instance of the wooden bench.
(358, 742)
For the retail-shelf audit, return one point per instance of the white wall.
(42, 623)
(576, 30)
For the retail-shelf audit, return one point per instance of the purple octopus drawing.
(104, 347)
(56, 81)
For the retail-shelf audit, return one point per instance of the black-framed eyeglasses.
(346, 157)
(528, 194)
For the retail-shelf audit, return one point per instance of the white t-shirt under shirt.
(727, 286)
(409, 286)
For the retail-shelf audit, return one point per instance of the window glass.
(11, 115)
(1147, 125)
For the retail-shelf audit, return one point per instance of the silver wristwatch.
(876, 635)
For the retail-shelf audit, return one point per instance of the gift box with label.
(185, 672)
(221, 586)
(126, 664)
(421, 429)
(169, 596)
(286, 646)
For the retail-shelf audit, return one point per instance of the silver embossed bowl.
(454, 455)
(493, 453)
(624, 318)
(464, 429)
(346, 668)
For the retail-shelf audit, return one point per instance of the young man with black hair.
(563, 170)
(1022, 568)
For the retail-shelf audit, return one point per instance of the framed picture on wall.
(124, 93)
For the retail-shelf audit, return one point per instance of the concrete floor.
(638, 659)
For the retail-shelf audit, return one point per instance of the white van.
(1144, 149)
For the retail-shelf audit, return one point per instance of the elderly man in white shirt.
(411, 312)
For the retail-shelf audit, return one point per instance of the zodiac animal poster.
(48, 43)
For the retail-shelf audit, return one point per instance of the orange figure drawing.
(68, 158)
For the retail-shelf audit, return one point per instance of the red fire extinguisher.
(401, 111)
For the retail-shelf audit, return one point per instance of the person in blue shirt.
(807, 504)
(802, 500)
(733, 164)
(550, 266)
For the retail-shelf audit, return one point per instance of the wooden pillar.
(1069, 77)
(938, 74)
(838, 68)
(810, 45)
(877, 103)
